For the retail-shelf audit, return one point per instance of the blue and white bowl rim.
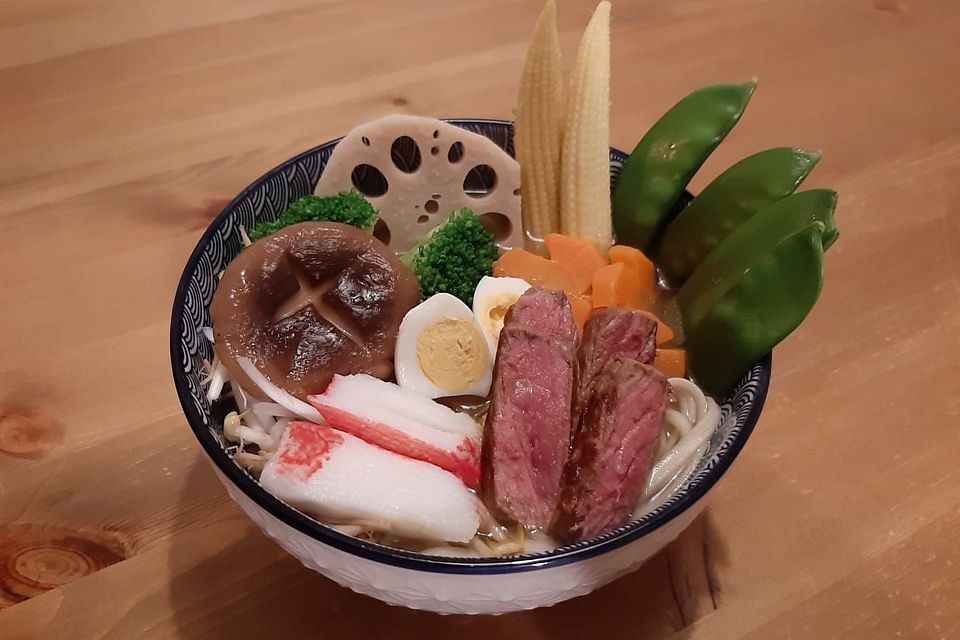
(297, 176)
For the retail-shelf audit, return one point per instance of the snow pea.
(750, 243)
(668, 155)
(770, 300)
(735, 195)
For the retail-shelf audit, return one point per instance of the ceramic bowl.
(440, 584)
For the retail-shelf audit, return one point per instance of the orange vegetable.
(534, 269)
(645, 269)
(616, 285)
(664, 333)
(633, 258)
(582, 307)
(578, 258)
(671, 362)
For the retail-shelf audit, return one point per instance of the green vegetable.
(737, 254)
(768, 302)
(734, 196)
(454, 257)
(665, 159)
(348, 207)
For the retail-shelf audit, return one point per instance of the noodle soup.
(454, 351)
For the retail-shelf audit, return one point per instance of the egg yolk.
(452, 353)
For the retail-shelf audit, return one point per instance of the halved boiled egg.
(441, 350)
(491, 301)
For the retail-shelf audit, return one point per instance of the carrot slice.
(671, 362)
(578, 258)
(582, 307)
(645, 269)
(633, 258)
(616, 285)
(605, 282)
(664, 332)
(535, 269)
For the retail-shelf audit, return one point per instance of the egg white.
(409, 373)
(490, 291)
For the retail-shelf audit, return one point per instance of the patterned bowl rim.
(624, 535)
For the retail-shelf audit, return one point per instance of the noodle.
(693, 423)
(348, 529)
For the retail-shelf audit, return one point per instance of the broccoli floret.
(348, 207)
(454, 257)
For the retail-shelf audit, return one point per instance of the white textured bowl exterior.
(463, 593)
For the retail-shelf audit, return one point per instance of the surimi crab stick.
(403, 422)
(399, 400)
(585, 165)
(344, 480)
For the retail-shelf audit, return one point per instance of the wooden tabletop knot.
(37, 557)
(27, 436)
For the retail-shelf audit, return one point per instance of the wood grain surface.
(126, 125)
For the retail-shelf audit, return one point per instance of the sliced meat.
(527, 431)
(546, 311)
(608, 333)
(612, 451)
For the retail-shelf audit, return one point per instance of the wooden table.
(126, 126)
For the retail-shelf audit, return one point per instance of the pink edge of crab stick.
(342, 479)
(457, 454)
(404, 422)
(369, 390)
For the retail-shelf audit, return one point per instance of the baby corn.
(585, 174)
(539, 127)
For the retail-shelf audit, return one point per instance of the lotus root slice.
(418, 170)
